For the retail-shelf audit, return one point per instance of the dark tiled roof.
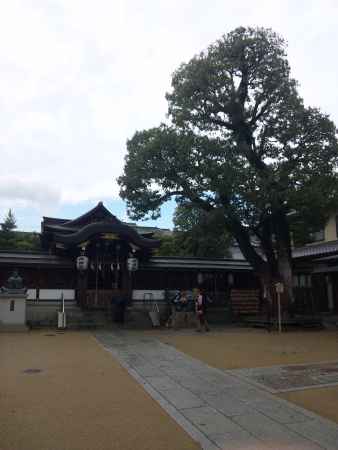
(316, 250)
(172, 262)
(96, 221)
(91, 229)
(20, 259)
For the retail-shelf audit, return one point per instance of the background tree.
(242, 143)
(196, 233)
(199, 233)
(9, 223)
(168, 246)
(10, 239)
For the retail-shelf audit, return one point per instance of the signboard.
(110, 236)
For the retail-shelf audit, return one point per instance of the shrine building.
(91, 261)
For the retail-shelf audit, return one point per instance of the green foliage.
(9, 223)
(200, 233)
(196, 233)
(19, 240)
(168, 246)
(241, 143)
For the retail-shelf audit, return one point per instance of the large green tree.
(196, 233)
(239, 141)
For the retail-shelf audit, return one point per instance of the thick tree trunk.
(285, 272)
(275, 267)
(275, 233)
(284, 259)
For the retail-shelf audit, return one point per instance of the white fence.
(155, 294)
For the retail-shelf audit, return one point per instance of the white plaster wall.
(16, 317)
(157, 294)
(31, 294)
(330, 232)
(55, 294)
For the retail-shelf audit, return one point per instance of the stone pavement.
(217, 408)
(291, 377)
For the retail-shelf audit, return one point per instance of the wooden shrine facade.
(108, 245)
(100, 247)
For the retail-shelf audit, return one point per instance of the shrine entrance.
(100, 245)
(107, 276)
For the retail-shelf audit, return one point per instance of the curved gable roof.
(98, 220)
(124, 231)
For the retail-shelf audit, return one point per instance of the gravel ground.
(76, 396)
(241, 348)
(323, 401)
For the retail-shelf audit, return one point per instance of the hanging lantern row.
(82, 263)
(100, 266)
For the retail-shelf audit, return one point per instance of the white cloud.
(79, 77)
(23, 192)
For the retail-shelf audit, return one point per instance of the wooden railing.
(244, 301)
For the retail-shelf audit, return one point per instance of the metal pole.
(279, 314)
(96, 279)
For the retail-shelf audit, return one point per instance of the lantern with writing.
(82, 263)
(132, 264)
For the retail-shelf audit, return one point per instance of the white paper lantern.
(82, 263)
(132, 264)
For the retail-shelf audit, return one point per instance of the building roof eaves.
(29, 259)
(324, 248)
(197, 263)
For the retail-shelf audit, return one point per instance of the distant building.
(316, 268)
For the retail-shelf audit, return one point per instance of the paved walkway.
(217, 408)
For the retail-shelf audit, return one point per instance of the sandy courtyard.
(81, 399)
(239, 347)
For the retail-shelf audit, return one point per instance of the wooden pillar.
(215, 287)
(82, 284)
(166, 277)
(127, 281)
(329, 287)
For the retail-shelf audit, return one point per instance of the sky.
(79, 77)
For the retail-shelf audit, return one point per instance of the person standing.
(120, 308)
(200, 308)
(184, 302)
(171, 322)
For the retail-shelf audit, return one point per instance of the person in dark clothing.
(120, 308)
(173, 310)
(200, 308)
(181, 309)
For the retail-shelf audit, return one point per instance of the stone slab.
(291, 377)
(182, 398)
(211, 421)
(221, 410)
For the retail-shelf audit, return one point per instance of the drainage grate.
(32, 371)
